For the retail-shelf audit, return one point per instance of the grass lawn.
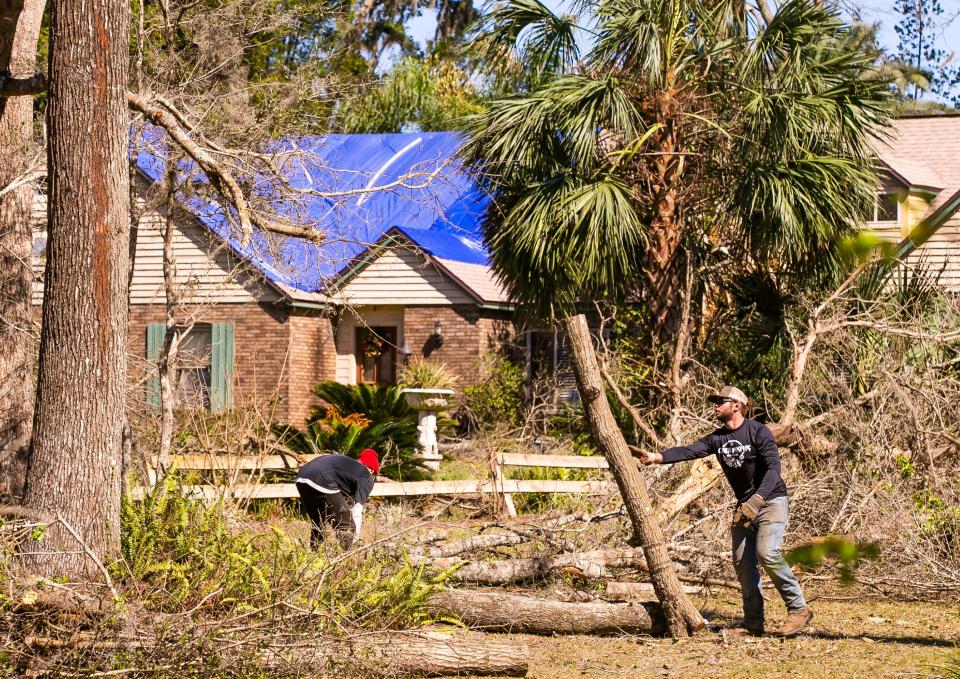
(848, 638)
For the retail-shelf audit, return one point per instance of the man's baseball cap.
(369, 459)
(728, 393)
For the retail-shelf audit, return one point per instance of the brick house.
(402, 273)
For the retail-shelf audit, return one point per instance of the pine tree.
(917, 45)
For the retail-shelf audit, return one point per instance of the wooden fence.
(239, 468)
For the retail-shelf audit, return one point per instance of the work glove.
(748, 510)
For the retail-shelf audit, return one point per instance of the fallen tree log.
(514, 613)
(468, 545)
(593, 564)
(641, 590)
(420, 654)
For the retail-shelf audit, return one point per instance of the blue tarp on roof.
(358, 188)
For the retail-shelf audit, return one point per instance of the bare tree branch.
(219, 175)
(22, 87)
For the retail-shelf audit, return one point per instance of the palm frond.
(527, 32)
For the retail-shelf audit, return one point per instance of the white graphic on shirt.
(733, 453)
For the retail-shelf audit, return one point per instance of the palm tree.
(690, 127)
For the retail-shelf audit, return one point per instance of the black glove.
(748, 510)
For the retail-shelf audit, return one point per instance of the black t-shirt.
(748, 456)
(338, 473)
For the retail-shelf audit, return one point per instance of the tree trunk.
(167, 360)
(592, 564)
(640, 590)
(75, 468)
(681, 615)
(521, 614)
(662, 266)
(420, 654)
(19, 30)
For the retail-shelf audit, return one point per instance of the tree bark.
(19, 30)
(521, 614)
(592, 564)
(681, 615)
(420, 654)
(75, 469)
(167, 360)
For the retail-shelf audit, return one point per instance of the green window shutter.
(155, 333)
(221, 367)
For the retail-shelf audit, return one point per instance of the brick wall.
(468, 334)
(313, 357)
(261, 340)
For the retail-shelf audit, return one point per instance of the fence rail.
(499, 484)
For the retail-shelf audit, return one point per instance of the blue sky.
(880, 12)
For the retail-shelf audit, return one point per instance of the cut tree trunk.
(469, 544)
(594, 564)
(420, 654)
(75, 468)
(640, 590)
(19, 30)
(681, 615)
(521, 614)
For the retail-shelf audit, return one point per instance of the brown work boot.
(796, 621)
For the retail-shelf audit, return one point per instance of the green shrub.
(180, 554)
(357, 417)
(376, 403)
(185, 551)
(500, 394)
(419, 373)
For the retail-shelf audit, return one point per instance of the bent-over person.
(333, 490)
(750, 460)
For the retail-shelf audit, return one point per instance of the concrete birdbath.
(427, 403)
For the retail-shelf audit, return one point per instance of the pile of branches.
(568, 586)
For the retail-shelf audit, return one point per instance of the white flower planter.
(427, 402)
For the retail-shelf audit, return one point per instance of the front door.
(376, 355)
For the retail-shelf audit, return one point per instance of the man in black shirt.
(750, 460)
(333, 490)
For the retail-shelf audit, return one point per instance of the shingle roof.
(478, 278)
(925, 152)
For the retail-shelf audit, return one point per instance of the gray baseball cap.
(726, 393)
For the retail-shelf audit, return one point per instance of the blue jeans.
(760, 544)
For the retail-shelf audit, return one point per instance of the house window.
(376, 355)
(885, 209)
(204, 362)
(194, 363)
(549, 360)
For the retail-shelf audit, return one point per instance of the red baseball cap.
(369, 459)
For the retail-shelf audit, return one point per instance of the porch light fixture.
(438, 329)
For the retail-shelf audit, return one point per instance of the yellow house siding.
(402, 276)
(911, 211)
(206, 271)
(942, 251)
